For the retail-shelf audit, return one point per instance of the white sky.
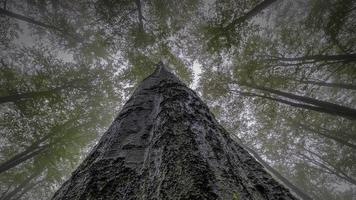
(197, 72)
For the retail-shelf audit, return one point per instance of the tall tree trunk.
(63, 33)
(343, 141)
(318, 58)
(28, 188)
(140, 16)
(22, 157)
(274, 172)
(327, 166)
(333, 85)
(23, 96)
(31, 151)
(331, 108)
(293, 104)
(41, 144)
(44, 93)
(165, 144)
(28, 20)
(253, 12)
(25, 183)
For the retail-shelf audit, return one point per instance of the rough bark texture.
(165, 144)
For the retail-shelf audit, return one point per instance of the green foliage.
(218, 37)
(214, 84)
(179, 66)
(141, 67)
(235, 196)
(95, 49)
(69, 117)
(80, 73)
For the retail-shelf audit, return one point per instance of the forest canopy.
(279, 75)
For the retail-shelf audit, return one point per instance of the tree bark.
(22, 157)
(165, 144)
(327, 166)
(40, 145)
(318, 58)
(285, 181)
(306, 127)
(293, 104)
(28, 20)
(28, 95)
(333, 85)
(274, 172)
(253, 12)
(63, 33)
(140, 16)
(342, 141)
(28, 188)
(328, 107)
(20, 187)
(44, 93)
(31, 151)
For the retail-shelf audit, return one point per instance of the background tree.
(73, 72)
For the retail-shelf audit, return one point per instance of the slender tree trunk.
(23, 96)
(320, 132)
(28, 20)
(20, 159)
(333, 85)
(63, 33)
(330, 136)
(20, 187)
(5, 192)
(28, 150)
(253, 12)
(28, 153)
(274, 172)
(38, 146)
(325, 166)
(41, 94)
(330, 166)
(290, 103)
(318, 58)
(7, 164)
(28, 188)
(140, 16)
(165, 144)
(331, 108)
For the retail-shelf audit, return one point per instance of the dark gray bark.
(342, 140)
(338, 139)
(64, 33)
(318, 58)
(333, 85)
(23, 96)
(285, 181)
(165, 144)
(44, 93)
(21, 187)
(310, 103)
(251, 13)
(27, 189)
(33, 150)
(140, 16)
(305, 106)
(327, 166)
(22, 157)
(28, 20)
(36, 148)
